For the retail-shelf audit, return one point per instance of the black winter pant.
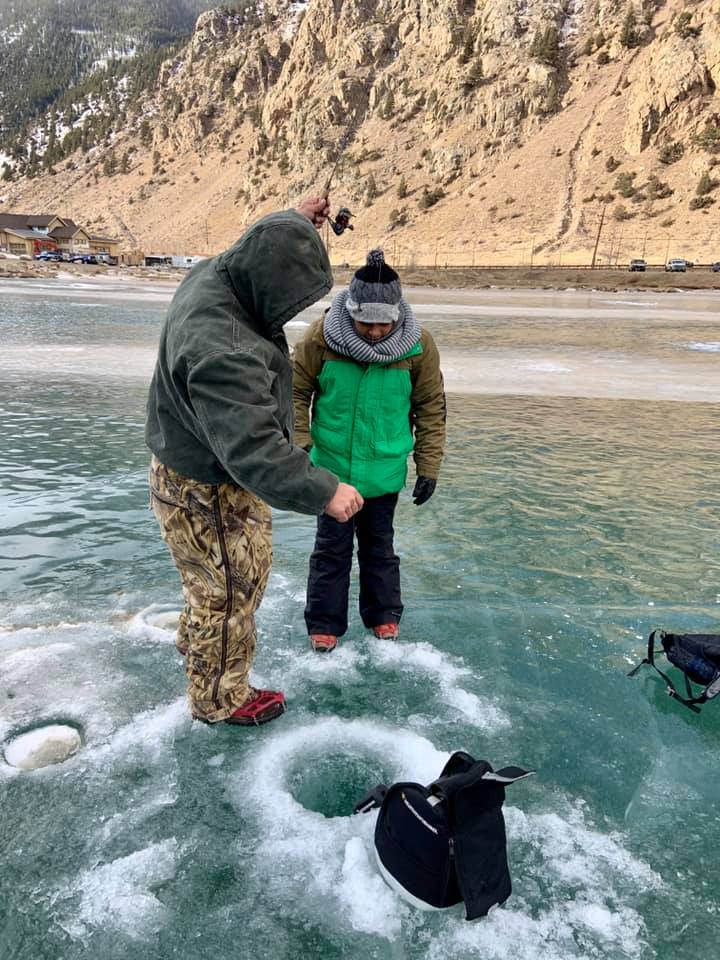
(326, 610)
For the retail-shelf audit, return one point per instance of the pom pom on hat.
(376, 258)
(376, 282)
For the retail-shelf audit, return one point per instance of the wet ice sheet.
(561, 532)
(539, 343)
(288, 837)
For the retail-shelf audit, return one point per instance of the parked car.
(715, 267)
(84, 258)
(49, 255)
(676, 265)
(638, 266)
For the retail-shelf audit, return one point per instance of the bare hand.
(345, 503)
(316, 209)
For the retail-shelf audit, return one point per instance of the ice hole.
(331, 783)
(42, 746)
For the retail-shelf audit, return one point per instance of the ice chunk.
(43, 747)
(119, 896)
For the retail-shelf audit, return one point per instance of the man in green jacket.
(372, 377)
(219, 425)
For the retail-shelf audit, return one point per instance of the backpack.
(697, 655)
(440, 844)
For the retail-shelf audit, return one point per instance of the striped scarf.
(342, 337)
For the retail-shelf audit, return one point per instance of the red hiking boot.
(323, 642)
(387, 631)
(263, 706)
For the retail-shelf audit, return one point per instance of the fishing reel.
(341, 223)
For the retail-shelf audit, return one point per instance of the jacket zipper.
(353, 480)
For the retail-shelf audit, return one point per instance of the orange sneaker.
(323, 642)
(387, 631)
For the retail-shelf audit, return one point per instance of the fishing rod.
(341, 223)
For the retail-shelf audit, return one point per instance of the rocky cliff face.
(495, 129)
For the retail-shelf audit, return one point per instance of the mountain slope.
(487, 131)
(47, 47)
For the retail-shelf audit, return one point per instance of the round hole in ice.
(330, 782)
(42, 746)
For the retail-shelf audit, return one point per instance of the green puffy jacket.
(367, 418)
(220, 403)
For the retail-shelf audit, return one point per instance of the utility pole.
(532, 250)
(597, 238)
(207, 238)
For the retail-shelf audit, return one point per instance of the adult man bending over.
(219, 425)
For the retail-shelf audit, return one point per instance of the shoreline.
(452, 278)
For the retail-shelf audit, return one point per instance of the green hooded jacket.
(220, 403)
(366, 418)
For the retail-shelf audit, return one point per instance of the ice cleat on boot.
(262, 707)
(323, 642)
(387, 631)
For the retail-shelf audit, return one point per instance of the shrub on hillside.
(621, 212)
(474, 74)
(670, 152)
(611, 164)
(709, 138)
(398, 218)
(684, 27)
(429, 198)
(706, 185)
(657, 189)
(545, 46)
(628, 32)
(624, 185)
(699, 203)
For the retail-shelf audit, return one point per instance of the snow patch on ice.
(370, 905)
(631, 303)
(149, 733)
(118, 895)
(548, 367)
(447, 673)
(710, 346)
(158, 622)
(345, 662)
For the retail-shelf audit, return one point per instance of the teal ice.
(562, 532)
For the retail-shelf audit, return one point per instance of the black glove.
(424, 489)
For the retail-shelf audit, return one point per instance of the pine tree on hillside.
(628, 34)
(545, 46)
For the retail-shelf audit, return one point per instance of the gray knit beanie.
(375, 292)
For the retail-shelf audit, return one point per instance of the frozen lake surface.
(578, 509)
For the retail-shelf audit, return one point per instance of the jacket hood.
(277, 268)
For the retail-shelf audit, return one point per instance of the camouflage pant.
(220, 537)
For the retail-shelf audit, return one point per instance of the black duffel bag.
(697, 655)
(440, 844)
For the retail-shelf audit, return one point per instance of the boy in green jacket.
(372, 378)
